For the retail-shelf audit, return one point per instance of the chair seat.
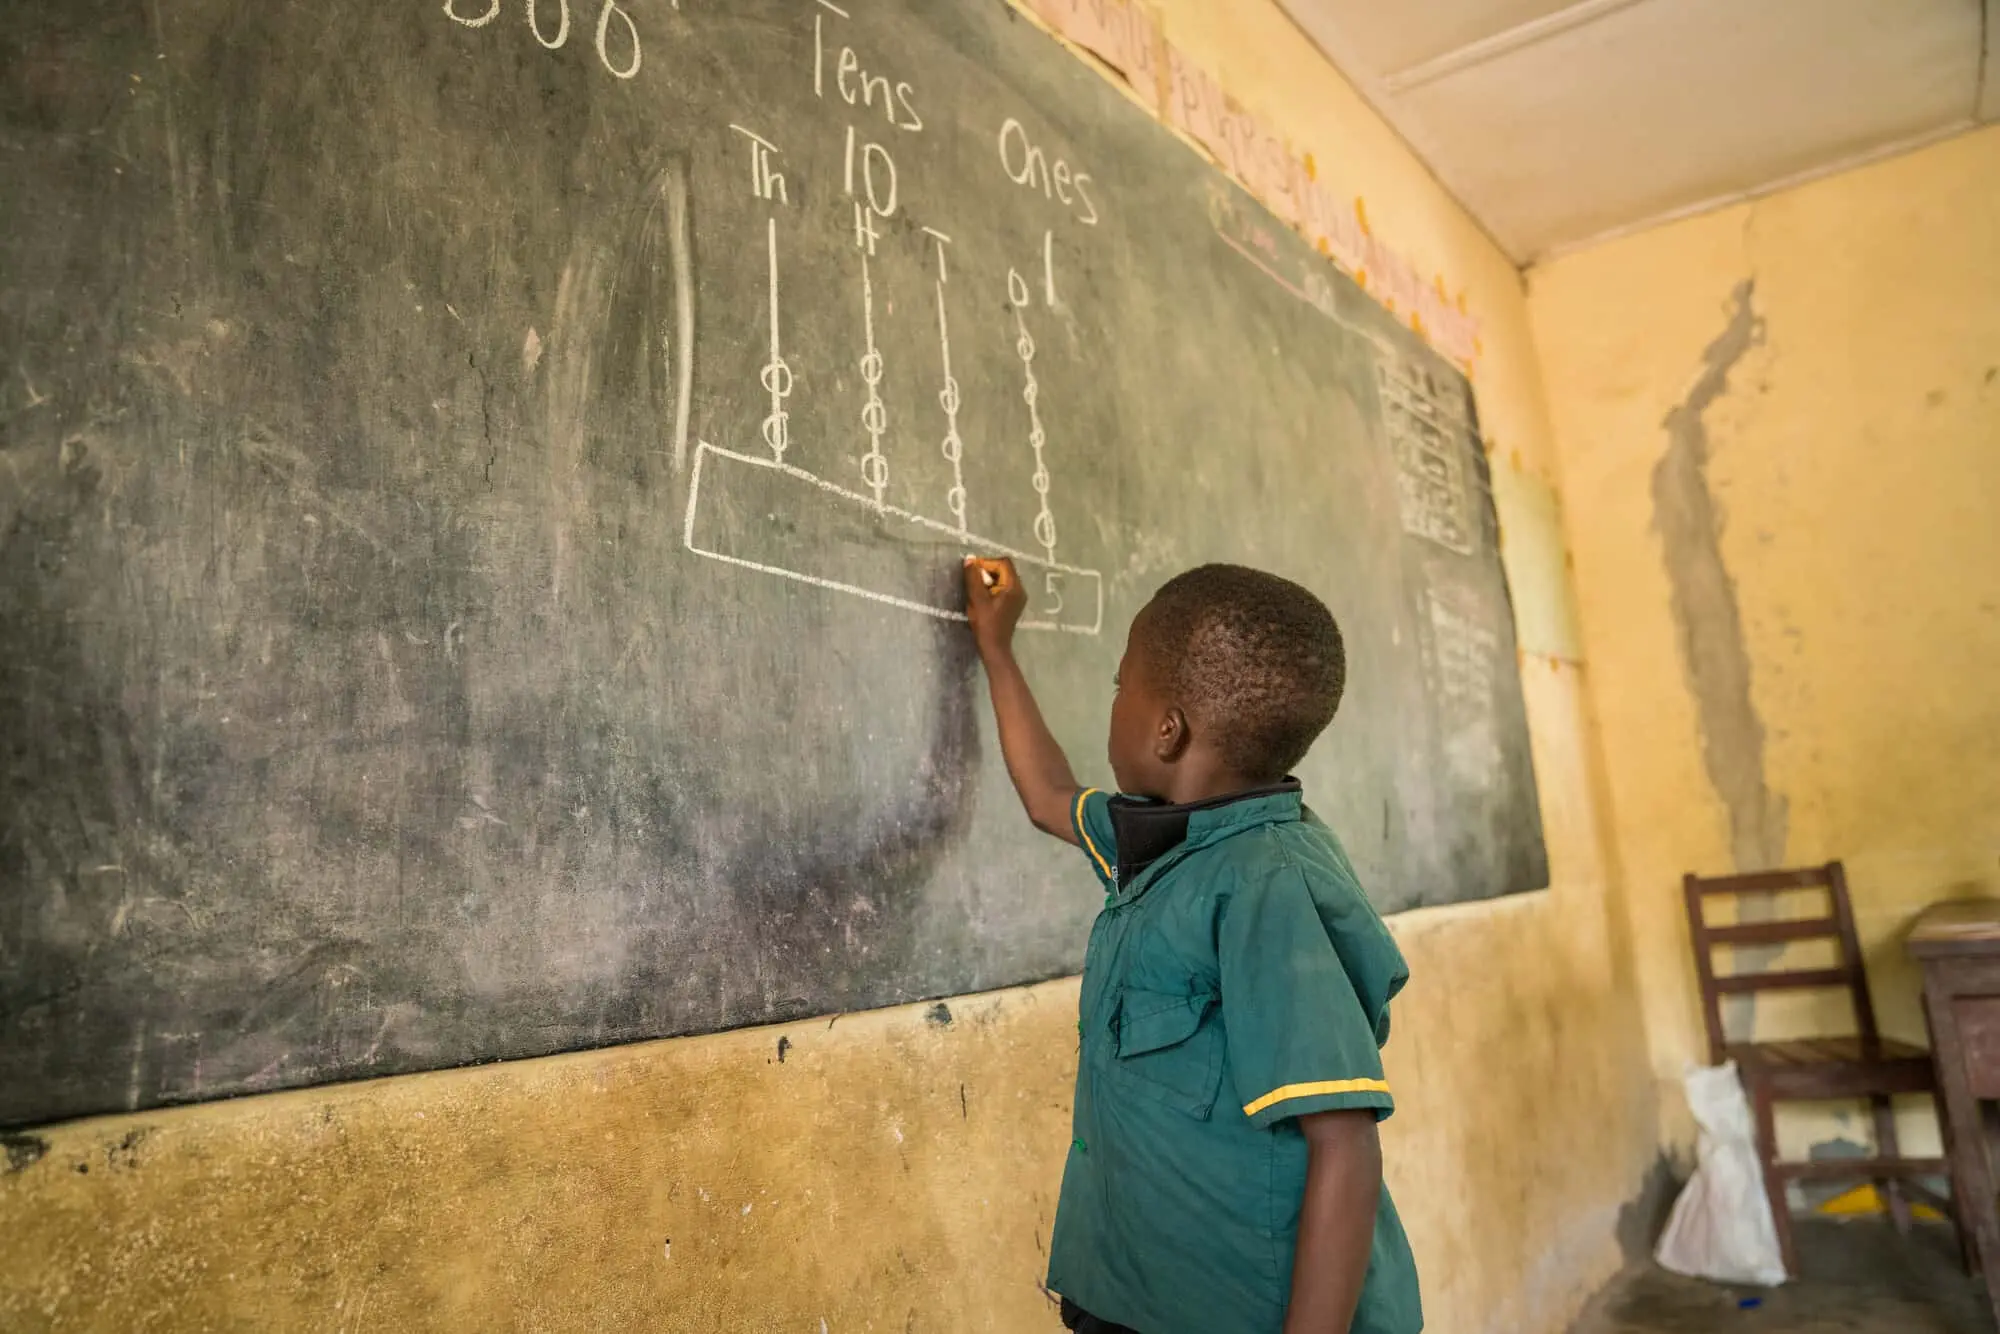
(1834, 1067)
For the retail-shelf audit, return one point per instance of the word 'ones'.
(1027, 165)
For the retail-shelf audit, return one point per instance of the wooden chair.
(1862, 1065)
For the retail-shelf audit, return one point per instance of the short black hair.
(1255, 657)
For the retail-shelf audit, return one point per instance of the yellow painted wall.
(1853, 465)
(890, 1164)
(850, 1184)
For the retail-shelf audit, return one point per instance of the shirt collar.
(1147, 831)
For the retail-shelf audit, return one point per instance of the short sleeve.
(1300, 1039)
(1090, 814)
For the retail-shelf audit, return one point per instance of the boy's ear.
(1170, 739)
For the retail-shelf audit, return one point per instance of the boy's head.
(1229, 675)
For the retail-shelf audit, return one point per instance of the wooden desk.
(1958, 946)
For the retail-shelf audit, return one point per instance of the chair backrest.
(1836, 925)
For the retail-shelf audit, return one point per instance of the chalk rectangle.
(758, 513)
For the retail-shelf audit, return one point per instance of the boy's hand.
(994, 601)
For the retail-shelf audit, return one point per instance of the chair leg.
(1774, 1180)
(1885, 1147)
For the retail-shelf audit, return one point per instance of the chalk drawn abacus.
(762, 511)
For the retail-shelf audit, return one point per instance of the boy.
(1225, 1174)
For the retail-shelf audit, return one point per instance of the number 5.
(1054, 592)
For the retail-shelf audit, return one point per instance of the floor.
(1860, 1278)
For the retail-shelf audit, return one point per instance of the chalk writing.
(865, 234)
(948, 397)
(1026, 165)
(1461, 660)
(874, 416)
(705, 533)
(766, 513)
(479, 21)
(562, 26)
(766, 182)
(611, 7)
(856, 85)
(1031, 392)
(776, 375)
(1310, 283)
(877, 175)
(1431, 440)
(534, 11)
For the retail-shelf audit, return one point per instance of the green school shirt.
(1237, 978)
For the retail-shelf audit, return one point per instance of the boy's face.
(1140, 718)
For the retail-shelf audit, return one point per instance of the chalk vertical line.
(942, 241)
(874, 416)
(680, 243)
(776, 375)
(948, 398)
(1024, 346)
(772, 234)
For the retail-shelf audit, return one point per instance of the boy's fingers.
(997, 576)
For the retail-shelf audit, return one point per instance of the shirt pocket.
(1166, 1048)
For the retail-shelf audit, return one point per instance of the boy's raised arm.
(994, 600)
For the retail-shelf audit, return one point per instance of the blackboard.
(482, 498)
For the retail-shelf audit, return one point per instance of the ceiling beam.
(1498, 44)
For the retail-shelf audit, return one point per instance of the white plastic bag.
(1721, 1226)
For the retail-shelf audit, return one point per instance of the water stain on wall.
(1707, 615)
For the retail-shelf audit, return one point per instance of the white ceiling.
(1558, 123)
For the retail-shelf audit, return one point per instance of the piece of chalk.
(988, 577)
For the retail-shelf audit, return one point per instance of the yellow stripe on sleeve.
(1083, 832)
(1314, 1090)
